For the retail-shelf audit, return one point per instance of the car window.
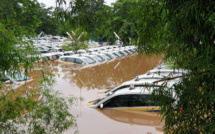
(97, 58)
(70, 60)
(121, 53)
(68, 54)
(63, 59)
(55, 57)
(106, 57)
(53, 50)
(89, 60)
(117, 101)
(115, 55)
(109, 56)
(61, 50)
(126, 52)
(101, 57)
(139, 100)
(143, 100)
(78, 61)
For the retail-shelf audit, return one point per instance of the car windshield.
(44, 52)
(115, 55)
(88, 60)
(65, 54)
(97, 58)
(126, 52)
(106, 57)
(18, 76)
(98, 100)
(101, 57)
(109, 56)
(131, 51)
(121, 53)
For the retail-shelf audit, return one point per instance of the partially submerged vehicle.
(138, 99)
(67, 53)
(142, 83)
(51, 56)
(14, 77)
(78, 59)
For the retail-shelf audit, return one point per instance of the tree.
(81, 14)
(31, 109)
(184, 32)
(78, 39)
(115, 19)
(48, 23)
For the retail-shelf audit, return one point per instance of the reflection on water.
(112, 73)
(88, 82)
(134, 117)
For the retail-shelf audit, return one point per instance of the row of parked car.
(92, 56)
(135, 94)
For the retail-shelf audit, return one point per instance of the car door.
(143, 102)
(71, 60)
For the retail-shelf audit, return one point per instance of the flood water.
(88, 83)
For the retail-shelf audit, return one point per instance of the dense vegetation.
(183, 31)
(34, 109)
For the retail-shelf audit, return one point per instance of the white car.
(97, 58)
(67, 53)
(56, 49)
(15, 77)
(104, 56)
(78, 59)
(131, 99)
(81, 51)
(51, 56)
(141, 83)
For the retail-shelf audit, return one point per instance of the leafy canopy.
(29, 108)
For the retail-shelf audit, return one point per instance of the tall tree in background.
(116, 19)
(80, 13)
(49, 24)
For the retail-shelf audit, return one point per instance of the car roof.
(136, 90)
(74, 56)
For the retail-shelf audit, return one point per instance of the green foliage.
(39, 110)
(30, 109)
(78, 40)
(80, 14)
(184, 32)
(116, 19)
(48, 23)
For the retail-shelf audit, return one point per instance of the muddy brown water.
(88, 83)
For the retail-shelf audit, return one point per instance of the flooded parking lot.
(89, 83)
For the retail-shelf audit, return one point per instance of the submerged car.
(78, 59)
(138, 99)
(67, 53)
(14, 77)
(97, 58)
(51, 56)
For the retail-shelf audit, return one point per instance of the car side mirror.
(101, 105)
